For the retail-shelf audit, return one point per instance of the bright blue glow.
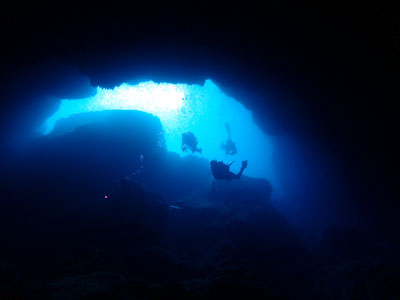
(203, 110)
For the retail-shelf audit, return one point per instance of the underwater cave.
(202, 109)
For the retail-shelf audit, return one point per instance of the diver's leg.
(244, 166)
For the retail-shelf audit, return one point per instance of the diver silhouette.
(229, 146)
(221, 171)
(189, 140)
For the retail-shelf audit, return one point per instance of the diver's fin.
(228, 129)
(244, 166)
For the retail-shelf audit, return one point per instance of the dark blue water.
(99, 193)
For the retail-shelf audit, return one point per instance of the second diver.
(189, 141)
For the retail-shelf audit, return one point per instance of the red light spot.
(105, 196)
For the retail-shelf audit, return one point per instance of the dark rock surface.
(165, 232)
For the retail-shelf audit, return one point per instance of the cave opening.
(202, 109)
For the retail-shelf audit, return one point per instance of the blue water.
(201, 109)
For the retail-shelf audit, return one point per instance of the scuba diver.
(221, 171)
(229, 146)
(189, 141)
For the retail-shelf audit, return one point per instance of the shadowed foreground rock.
(165, 232)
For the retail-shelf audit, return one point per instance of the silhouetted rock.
(105, 212)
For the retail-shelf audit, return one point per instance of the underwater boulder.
(92, 157)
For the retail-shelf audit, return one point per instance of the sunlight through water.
(203, 110)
